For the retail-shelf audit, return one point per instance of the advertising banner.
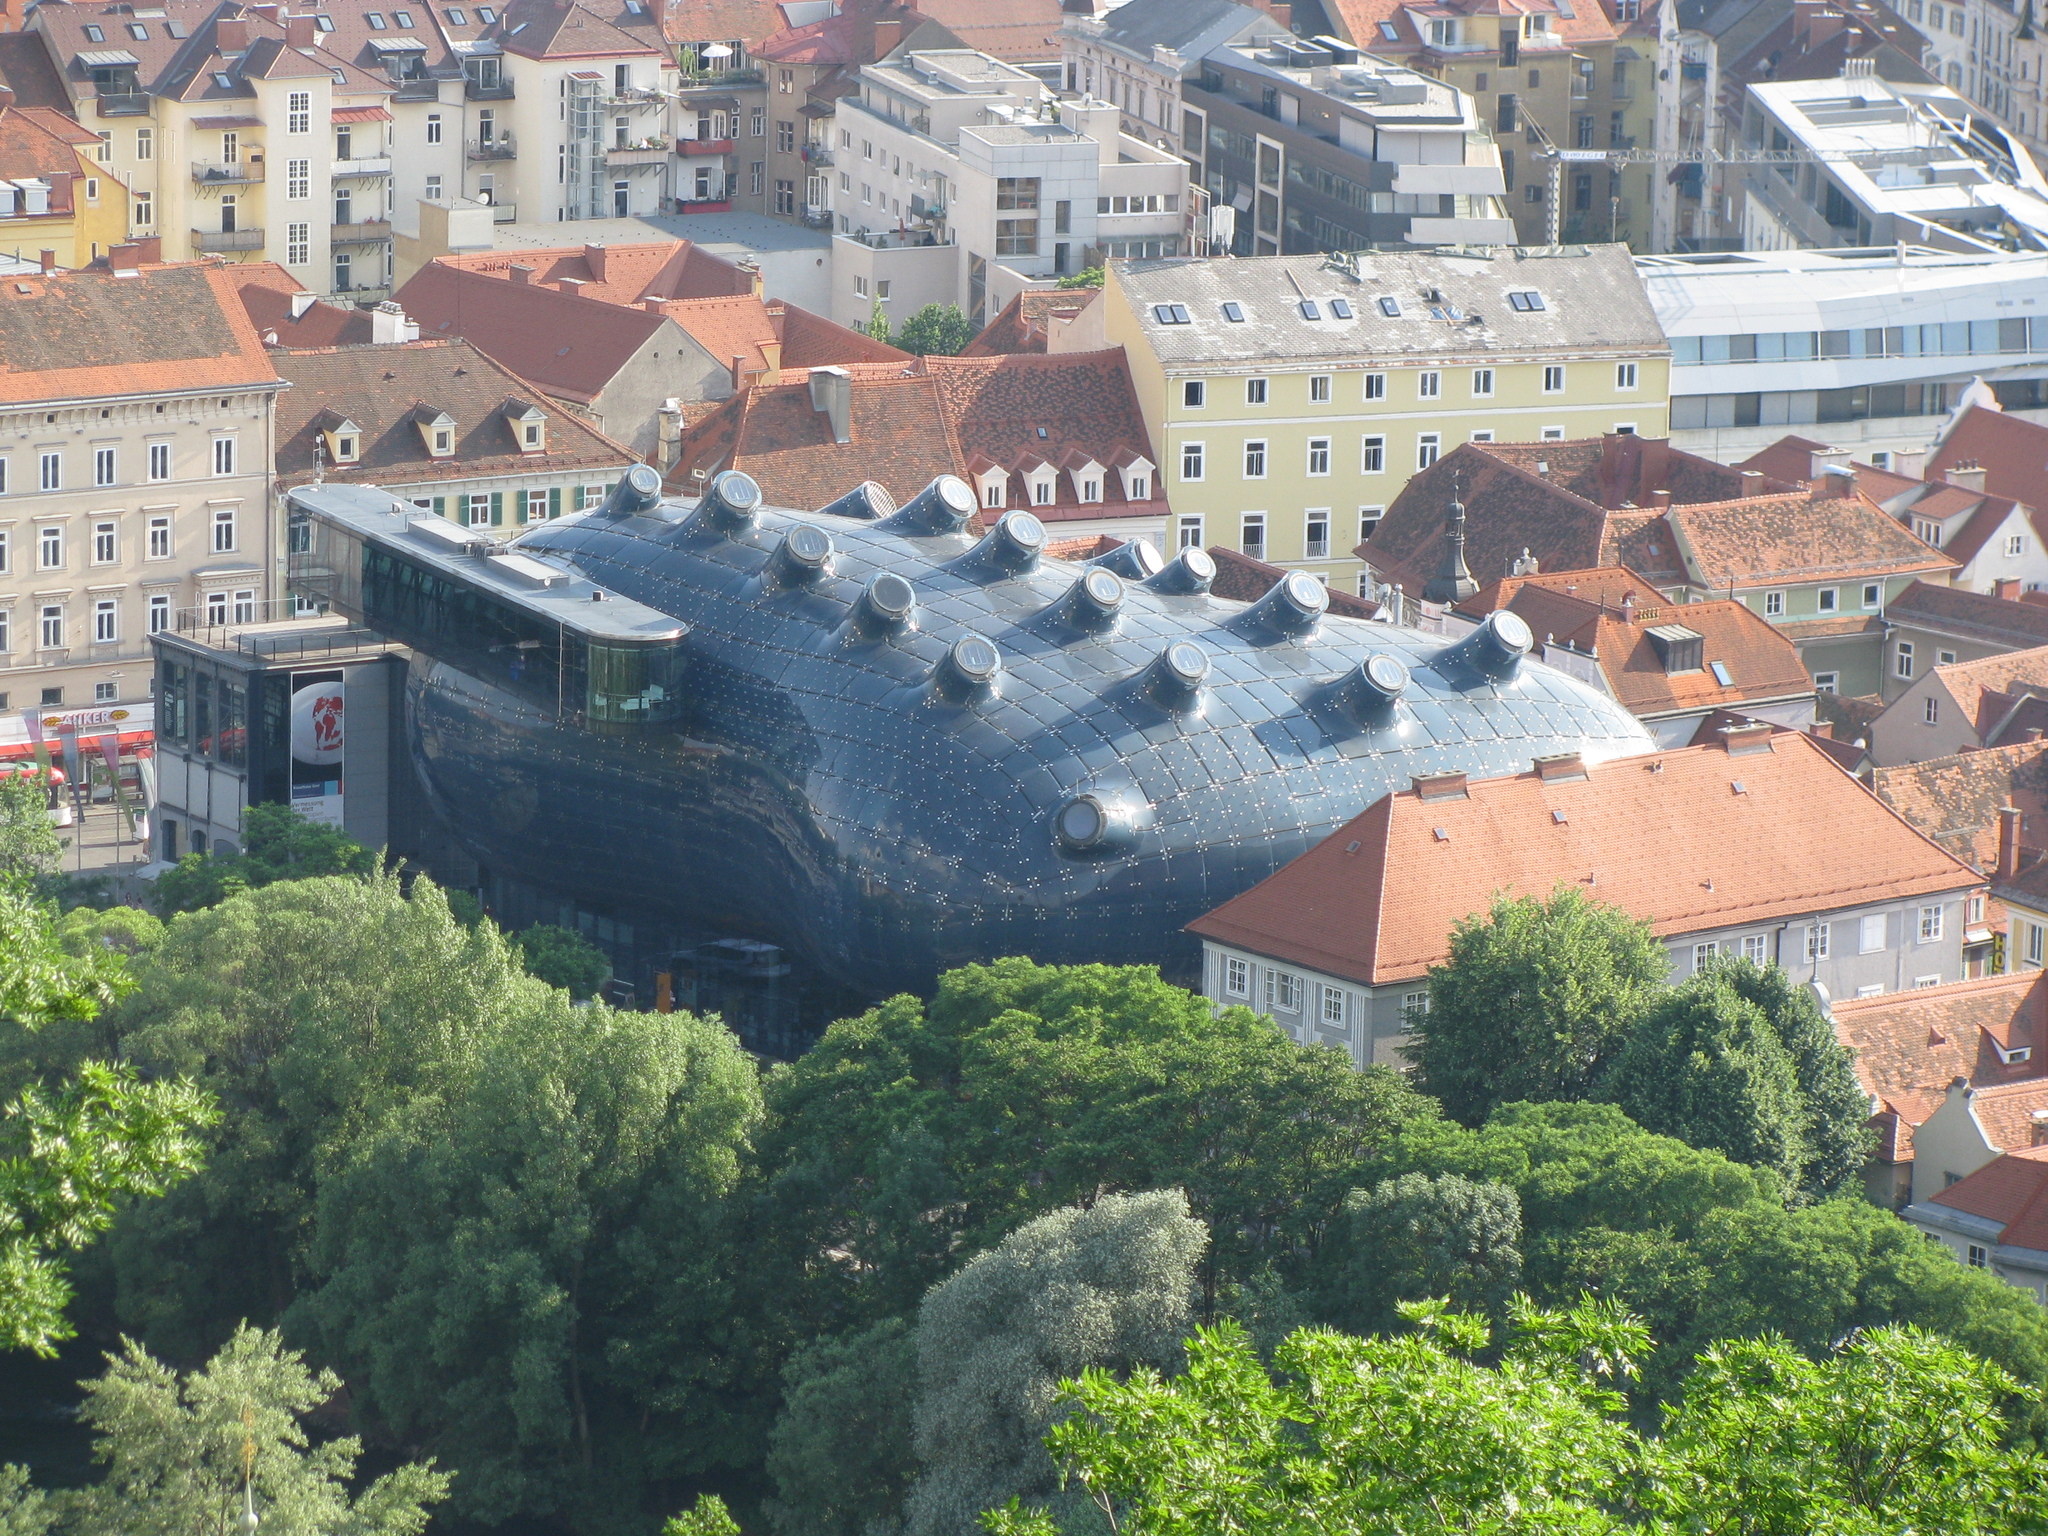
(319, 704)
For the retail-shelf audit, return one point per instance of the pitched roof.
(851, 37)
(1789, 459)
(1139, 26)
(1909, 1046)
(1022, 324)
(1575, 506)
(569, 345)
(1363, 21)
(1969, 681)
(2012, 451)
(267, 289)
(2011, 1190)
(932, 416)
(380, 388)
(26, 70)
(37, 141)
(702, 21)
(553, 29)
(1764, 540)
(1955, 800)
(617, 274)
(1245, 580)
(1613, 615)
(1690, 840)
(1021, 31)
(72, 335)
(1978, 615)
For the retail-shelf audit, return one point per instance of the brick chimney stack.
(2008, 842)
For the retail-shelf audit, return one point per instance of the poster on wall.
(318, 705)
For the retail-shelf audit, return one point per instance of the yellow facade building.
(53, 195)
(1289, 398)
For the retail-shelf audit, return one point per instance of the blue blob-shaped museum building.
(892, 745)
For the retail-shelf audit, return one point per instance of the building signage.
(319, 704)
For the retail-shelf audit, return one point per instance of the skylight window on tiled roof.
(403, 18)
(457, 19)
(1390, 32)
(323, 23)
(138, 31)
(176, 28)
(1340, 309)
(375, 19)
(93, 34)
(1171, 314)
(225, 81)
(1720, 671)
(1390, 307)
(1526, 303)
(486, 15)
(1310, 310)
(1233, 311)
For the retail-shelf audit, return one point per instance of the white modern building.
(961, 180)
(1137, 54)
(1872, 347)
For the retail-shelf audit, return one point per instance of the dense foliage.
(278, 844)
(937, 328)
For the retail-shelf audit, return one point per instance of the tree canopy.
(278, 844)
(937, 328)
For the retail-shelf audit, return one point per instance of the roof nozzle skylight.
(1187, 574)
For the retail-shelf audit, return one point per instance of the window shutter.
(497, 509)
(554, 501)
(440, 506)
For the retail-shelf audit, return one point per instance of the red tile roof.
(1979, 615)
(1021, 31)
(1909, 1046)
(267, 288)
(1789, 459)
(1245, 580)
(1609, 613)
(1765, 540)
(26, 70)
(618, 274)
(1690, 840)
(713, 21)
(1968, 682)
(1022, 325)
(1955, 800)
(2012, 451)
(2011, 1190)
(85, 334)
(549, 29)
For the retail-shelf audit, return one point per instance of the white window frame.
(159, 613)
(1755, 948)
(1553, 378)
(1933, 923)
(1624, 377)
(223, 523)
(1374, 388)
(1331, 997)
(1193, 456)
(50, 627)
(223, 455)
(1902, 659)
(1188, 531)
(1870, 933)
(106, 542)
(1247, 522)
(106, 621)
(1318, 457)
(50, 547)
(1237, 977)
(1256, 392)
(106, 466)
(1817, 936)
(1429, 385)
(1255, 458)
(1829, 600)
(160, 543)
(1428, 449)
(1372, 454)
(1482, 383)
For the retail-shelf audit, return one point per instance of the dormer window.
(1087, 477)
(341, 440)
(1137, 479)
(529, 425)
(529, 435)
(346, 449)
(1443, 33)
(437, 431)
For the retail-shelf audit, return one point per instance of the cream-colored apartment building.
(136, 420)
(1291, 397)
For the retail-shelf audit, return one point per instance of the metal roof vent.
(1188, 574)
(1134, 560)
(1094, 824)
(869, 502)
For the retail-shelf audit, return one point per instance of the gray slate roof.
(1190, 27)
(1593, 303)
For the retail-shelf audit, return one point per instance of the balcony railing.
(227, 239)
(417, 90)
(815, 217)
(499, 148)
(475, 91)
(219, 173)
(693, 147)
(360, 232)
(636, 155)
(504, 213)
(122, 104)
(818, 154)
(356, 292)
(363, 165)
(895, 240)
(695, 79)
(632, 96)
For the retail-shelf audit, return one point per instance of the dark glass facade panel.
(819, 785)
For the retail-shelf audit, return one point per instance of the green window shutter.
(497, 509)
(440, 506)
(554, 501)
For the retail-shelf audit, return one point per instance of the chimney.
(752, 268)
(298, 32)
(1833, 484)
(6, 97)
(520, 273)
(2006, 587)
(668, 433)
(1822, 730)
(1969, 474)
(1660, 500)
(388, 325)
(1561, 768)
(569, 284)
(593, 258)
(1432, 787)
(1628, 607)
(1825, 459)
(2008, 842)
(832, 394)
(888, 37)
(126, 261)
(1752, 483)
(49, 260)
(652, 305)
(1912, 464)
(1749, 737)
(303, 301)
(231, 34)
(268, 10)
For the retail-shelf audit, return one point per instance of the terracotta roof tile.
(1021, 31)
(1665, 836)
(1245, 580)
(810, 340)
(1955, 800)
(698, 21)
(2011, 1190)
(548, 29)
(1789, 459)
(618, 274)
(267, 288)
(1764, 540)
(68, 335)
(1995, 620)
(2012, 451)
(1969, 681)
(26, 70)
(1021, 325)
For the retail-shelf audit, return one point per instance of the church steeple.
(1453, 581)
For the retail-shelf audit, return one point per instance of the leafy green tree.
(707, 1517)
(915, 1136)
(937, 328)
(71, 1150)
(191, 1454)
(29, 845)
(1535, 998)
(278, 844)
(878, 323)
(527, 1273)
(1110, 1287)
(127, 931)
(1087, 277)
(1740, 1060)
(24, 1510)
(840, 1453)
(563, 958)
(1418, 1236)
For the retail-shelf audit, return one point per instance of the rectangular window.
(106, 621)
(298, 179)
(298, 112)
(1902, 660)
(1253, 540)
(145, 143)
(1624, 376)
(1318, 388)
(1830, 599)
(1372, 457)
(1017, 237)
(1254, 391)
(1283, 991)
(159, 538)
(1318, 541)
(159, 614)
(1429, 384)
(1319, 456)
(1930, 711)
(223, 455)
(245, 606)
(6, 550)
(141, 209)
(1427, 447)
(50, 548)
(1482, 382)
(2037, 943)
(1368, 520)
(1753, 948)
(1188, 533)
(1333, 1006)
(1194, 394)
(536, 507)
(51, 636)
(159, 461)
(1931, 923)
(298, 244)
(105, 546)
(1237, 977)
(479, 509)
(224, 531)
(1375, 386)
(1873, 594)
(1703, 955)
(103, 466)
(53, 470)
(1018, 193)
(1774, 605)
(1944, 658)
(1413, 1003)
(1553, 379)
(2015, 544)
(1817, 942)
(1191, 461)
(785, 136)
(1870, 933)
(1977, 1257)
(1255, 458)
